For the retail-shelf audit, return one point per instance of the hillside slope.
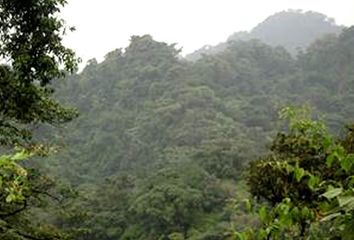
(160, 145)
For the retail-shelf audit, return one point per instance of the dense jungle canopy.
(148, 144)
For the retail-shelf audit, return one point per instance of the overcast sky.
(104, 25)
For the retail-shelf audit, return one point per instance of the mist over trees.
(168, 148)
(295, 30)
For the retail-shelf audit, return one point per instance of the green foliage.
(30, 41)
(13, 179)
(160, 145)
(22, 189)
(221, 159)
(308, 182)
(183, 131)
(31, 46)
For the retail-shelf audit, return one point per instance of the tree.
(30, 43)
(308, 188)
(33, 55)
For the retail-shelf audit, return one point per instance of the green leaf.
(295, 213)
(330, 216)
(327, 142)
(313, 182)
(332, 193)
(330, 159)
(346, 202)
(262, 214)
(299, 173)
(347, 162)
(248, 205)
(20, 156)
(4, 157)
(10, 198)
(305, 212)
(289, 168)
(262, 234)
(240, 236)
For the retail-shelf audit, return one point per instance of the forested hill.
(156, 147)
(169, 137)
(292, 29)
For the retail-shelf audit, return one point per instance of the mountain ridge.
(292, 29)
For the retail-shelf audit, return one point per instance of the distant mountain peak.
(292, 29)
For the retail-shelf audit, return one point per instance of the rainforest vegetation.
(249, 139)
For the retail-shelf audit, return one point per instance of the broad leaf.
(330, 216)
(332, 193)
(347, 162)
(346, 202)
(313, 182)
(299, 173)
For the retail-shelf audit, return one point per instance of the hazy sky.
(104, 25)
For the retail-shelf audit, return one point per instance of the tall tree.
(31, 44)
(32, 54)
